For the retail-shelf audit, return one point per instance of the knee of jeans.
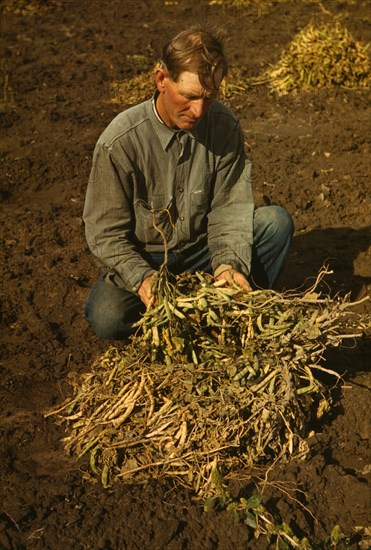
(107, 323)
(281, 221)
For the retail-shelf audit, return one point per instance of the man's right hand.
(145, 290)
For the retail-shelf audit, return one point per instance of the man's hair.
(198, 51)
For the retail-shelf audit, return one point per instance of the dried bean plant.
(212, 375)
(320, 56)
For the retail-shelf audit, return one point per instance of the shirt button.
(181, 189)
(181, 218)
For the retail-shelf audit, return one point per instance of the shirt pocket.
(154, 219)
(199, 209)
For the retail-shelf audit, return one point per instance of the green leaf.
(254, 501)
(232, 508)
(313, 333)
(337, 535)
(305, 544)
(287, 529)
(282, 544)
(250, 520)
(273, 529)
(210, 504)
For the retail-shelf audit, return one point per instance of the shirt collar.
(165, 134)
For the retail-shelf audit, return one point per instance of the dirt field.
(59, 61)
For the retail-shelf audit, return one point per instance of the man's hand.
(231, 276)
(145, 290)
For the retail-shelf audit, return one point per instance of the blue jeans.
(111, 310)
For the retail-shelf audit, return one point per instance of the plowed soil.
(60, 61)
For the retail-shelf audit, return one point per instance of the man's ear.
(160, 77)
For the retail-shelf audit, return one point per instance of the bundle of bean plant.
(137, 87)
(260, 7)
(323, 56)
(213, 375)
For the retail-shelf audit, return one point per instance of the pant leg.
(111, 311)
(273, 231)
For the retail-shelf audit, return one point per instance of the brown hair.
(198, 51)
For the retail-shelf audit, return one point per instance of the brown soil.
(310, 154)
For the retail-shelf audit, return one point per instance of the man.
(172, 172)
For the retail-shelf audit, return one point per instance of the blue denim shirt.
(151, 183)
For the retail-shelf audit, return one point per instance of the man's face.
(182, 104)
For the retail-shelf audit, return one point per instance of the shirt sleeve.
(230, 221)
(108, 220)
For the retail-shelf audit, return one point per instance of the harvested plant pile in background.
(139, 87)
(134, 90)
(28, 7)
(320, 57)
(234, 85)
(214, 376)
(263, 6)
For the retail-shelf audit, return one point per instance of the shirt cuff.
(221, 268)
(136, 286)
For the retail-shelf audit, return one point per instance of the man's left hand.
(234, 277)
